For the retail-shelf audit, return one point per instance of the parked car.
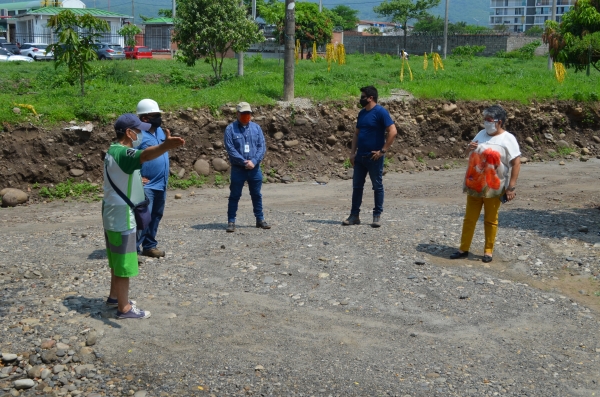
(37, 51)
(138, 52)
(6, 56)
(12, 47)
(107, 51)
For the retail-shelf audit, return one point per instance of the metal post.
(171, 30)
(446, 30)
(241, 54)
(320, 5)
(253, 10)
(554, 19)
(288, 58)
(132, 11)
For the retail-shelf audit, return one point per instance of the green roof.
(22, 5)
(77, 11)
(159, 21)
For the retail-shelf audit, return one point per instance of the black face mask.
(363, 102)
(155, 122)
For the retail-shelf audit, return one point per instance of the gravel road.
(311, 308)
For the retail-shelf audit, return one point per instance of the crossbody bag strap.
(116, 189)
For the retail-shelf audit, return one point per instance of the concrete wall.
(419, 44)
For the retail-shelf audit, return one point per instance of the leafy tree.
(73, 49)
(401, 11)
(430, 23)
(207, 28)
(311, 25)
(576, 41)
(534, 31)
(128, 32)
(373, 30)
(165, 12)
(346, 17)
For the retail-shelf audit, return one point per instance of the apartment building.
(520, 15)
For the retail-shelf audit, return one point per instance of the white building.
(32, 26)
(521, 15)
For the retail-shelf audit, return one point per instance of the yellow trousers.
(490, 221)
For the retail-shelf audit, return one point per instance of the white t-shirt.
(488, 172)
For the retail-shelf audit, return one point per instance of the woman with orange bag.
(491, 178)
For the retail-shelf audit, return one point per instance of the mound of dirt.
(305, 143)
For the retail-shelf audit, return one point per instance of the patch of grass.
(431, 155)
(347, 164)
(193, 181)
(112, 89)
(291, 164)
(420, 159)
(70, 189)
(220, 180)
(387, 161)
(565, 151)
(272, 172)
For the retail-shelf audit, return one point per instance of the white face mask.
(138, 141)
(490, 127)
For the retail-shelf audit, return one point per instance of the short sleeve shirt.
(371, 126)
(488, 172)
(123, 165)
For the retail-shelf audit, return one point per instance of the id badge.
(246, 148)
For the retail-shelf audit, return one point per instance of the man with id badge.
(245, 144)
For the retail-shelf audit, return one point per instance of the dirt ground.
(311, 308)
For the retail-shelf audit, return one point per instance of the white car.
(6, 56)
(36, 51)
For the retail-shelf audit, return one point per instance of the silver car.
(6, 56)
(36, 51)
(109, 51)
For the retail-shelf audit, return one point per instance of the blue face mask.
(490, 127)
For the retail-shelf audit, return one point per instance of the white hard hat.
(147, 106)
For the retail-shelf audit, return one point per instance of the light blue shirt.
(157, 170)
(237, 137)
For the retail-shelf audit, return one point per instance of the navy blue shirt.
(237, 137)
(156, 170)
(371, 126)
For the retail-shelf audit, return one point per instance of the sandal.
(486, 258)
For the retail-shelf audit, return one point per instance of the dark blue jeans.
(239, 176)
(147, 238)
(363, 165)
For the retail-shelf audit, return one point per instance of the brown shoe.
(153, 253)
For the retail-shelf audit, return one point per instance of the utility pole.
(446, 30)
(133, 11)
(550, 62)
(288, 58)
(320, 5)
(241, 53)
(254, 10)
(171, 30)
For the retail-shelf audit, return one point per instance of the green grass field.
(113, 88)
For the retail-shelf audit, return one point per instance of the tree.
(374, 30)
(430, 23)
(207, 28)
(165, 12)
(346, 17)
(401, 11)
(128, 32)
(576, 41)
(73, 49)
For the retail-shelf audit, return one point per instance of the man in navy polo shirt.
(155, 175)
(369, 146)
(245, 144)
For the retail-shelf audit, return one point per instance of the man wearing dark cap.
(245, 144)
(122, 165)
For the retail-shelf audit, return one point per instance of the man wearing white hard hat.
(155, 175)
(245, 144)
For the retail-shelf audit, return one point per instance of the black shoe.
(486, 259)
(352, 220)
(459, 255)
(230, 227)
(262, 224)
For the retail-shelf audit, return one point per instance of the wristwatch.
(382, 151)
(511, 189)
